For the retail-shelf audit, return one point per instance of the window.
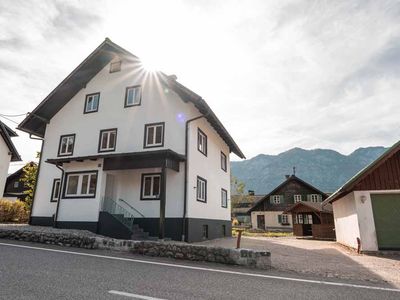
(300, 219)
(107, 140)
(223, 161)
(133, 96)
(66, 146)
(224, 198)
(285, 219)
(205, 231)
(55, 191)
(81, 185)
(154, 135)
(297, 198)
(92, 103)
(315, 197)
(115, 67)
(201, 189)
(151, 186)
(276, 199)
(202, 142)
(16, 184)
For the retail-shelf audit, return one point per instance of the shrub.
(13, 211)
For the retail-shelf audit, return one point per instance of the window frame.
(317, 196)
(85, 111)
(79, 185)
(101, 138)
(273, 199)
(146, 126)
(73, 145)
(295, 200)
(126, 96)
(224, 159)
(201, 133)
(222, 199)
(205, 187)
(285, 216)
(119, 62)
(52, 198)
(16, 184)
(146, 198)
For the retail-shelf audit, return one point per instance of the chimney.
(250, 193)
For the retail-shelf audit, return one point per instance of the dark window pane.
(56, 190)
(111, 142)
(72, 187)
(93, 182)
(159, 134)
(150, 135)
(147, 186)
(70, 144)
(85, 181)
(104, 136)
(156, 185)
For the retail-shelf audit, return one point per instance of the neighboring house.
(15, 188)
(125, 149)
(312, 219)
(367, 207)
(240, 207)
(269, 212)
(8, 153)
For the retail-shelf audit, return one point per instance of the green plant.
(29, 180)
(13, 211)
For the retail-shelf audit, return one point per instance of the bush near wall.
(13, 211)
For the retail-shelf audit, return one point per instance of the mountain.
(323, 168)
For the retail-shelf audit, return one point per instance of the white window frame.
(201, 141)
(69, 137)
(152, 196)
(315, 198)
(201, 189)
(79, 193)
(108, 132)
(54, 197)
(297, 198)
(285, 219)
(276, 199)
(224, 198)
(91, 99)
(136, 93)
(154, 142)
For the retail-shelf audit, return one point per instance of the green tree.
(29, 180)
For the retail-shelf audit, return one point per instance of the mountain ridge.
(326, 169)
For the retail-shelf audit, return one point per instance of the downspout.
(184, 233)
(59, 195)
(37, 175)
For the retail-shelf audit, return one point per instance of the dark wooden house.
(15, 188)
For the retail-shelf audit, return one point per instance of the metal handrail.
(132, 207)
(112, 207)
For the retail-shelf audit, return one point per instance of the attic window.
(115, 66)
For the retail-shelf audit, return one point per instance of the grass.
(258, 233)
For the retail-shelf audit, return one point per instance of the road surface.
(35, 271)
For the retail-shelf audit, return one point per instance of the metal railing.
(122, 214)
(131, 207)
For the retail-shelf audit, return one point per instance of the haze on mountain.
(323, 168)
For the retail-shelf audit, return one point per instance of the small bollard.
(239, 237)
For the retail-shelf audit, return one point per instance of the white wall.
(271, 219)
(209, 168)
(5, 159)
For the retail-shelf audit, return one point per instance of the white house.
(126, 150)
(367, 207)
(8, 153)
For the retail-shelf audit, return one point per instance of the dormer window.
(66, 146)
(315, 198)
(276, 199)
(115, 66)
(297, 198)
(132, 96)
(92, 103)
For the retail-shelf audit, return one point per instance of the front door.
(261, 222)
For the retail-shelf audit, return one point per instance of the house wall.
(5, 159)
(271, 220)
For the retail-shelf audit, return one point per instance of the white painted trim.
(130, 295)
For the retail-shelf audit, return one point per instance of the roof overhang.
(6, 133)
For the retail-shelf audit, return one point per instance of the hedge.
(13, 211)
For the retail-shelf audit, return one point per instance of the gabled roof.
(6, 133)
(317, 207)
(289, 179)
(19, 171)
(349, 186)
(35, 122)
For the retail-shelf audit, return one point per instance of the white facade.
(5, 158)
(271, 219)
(158, 104)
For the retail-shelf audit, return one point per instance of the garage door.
(386, 210)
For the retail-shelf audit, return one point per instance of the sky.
(279, 74)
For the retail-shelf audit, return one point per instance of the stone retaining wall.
(184, 251)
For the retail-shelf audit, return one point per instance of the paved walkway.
(324, 258)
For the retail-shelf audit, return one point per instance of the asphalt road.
(34, 271)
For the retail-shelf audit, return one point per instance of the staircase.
(124, 216)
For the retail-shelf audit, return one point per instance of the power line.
(9, 119)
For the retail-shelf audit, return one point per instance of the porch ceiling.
(133, 160)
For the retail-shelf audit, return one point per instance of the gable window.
(224, 198)
(297, 198)
(132, 96)
(315, 198)
(151, 186)
(16, 184)
(154, 135)
(223, 161)
(276, 199)
(107, 140)
(202, 142)
(115, 66)
(201, 189)
(81, 185)
(66, 146)
(92, 103)
(55, 191)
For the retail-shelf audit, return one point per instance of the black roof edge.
(4, 132)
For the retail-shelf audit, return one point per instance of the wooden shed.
(312, 219)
